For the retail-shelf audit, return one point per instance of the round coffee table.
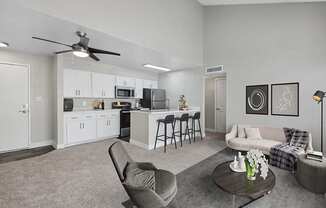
(237, 184)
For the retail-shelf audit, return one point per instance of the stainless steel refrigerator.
(154, 99)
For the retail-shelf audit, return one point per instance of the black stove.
(124, 117)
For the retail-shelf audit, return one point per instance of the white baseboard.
(210, 130)
(42, 144)
(59, 146)
(139, 144)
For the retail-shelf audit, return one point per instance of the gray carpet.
(196, 189)
(83, 176)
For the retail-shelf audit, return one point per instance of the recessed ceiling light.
(156, 67)
(4, 45)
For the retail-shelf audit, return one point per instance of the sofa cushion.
(241, 131)
(166, 183)
(253, 133)
(271, 133)
(247, 144)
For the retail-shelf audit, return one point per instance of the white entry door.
(14, 107)
(220, 103)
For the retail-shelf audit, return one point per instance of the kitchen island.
(143, 126)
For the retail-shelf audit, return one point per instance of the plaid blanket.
(284, 156)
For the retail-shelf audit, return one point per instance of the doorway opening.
(215, 103)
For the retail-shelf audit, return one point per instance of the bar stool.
(169, 119)
(194, 118)
(184, 118)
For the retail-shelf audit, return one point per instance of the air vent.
(214, 69)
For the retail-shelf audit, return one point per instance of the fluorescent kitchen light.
(156, 67)
(4, 45)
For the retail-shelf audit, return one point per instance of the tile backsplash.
(82, 104)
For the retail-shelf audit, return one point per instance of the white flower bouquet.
(255, 162)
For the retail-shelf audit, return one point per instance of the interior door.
(14, 111)
(220, 103)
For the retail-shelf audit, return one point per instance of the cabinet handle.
(80, 125)
(83, 125)
(107, 122)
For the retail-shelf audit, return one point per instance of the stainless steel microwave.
(124, 92)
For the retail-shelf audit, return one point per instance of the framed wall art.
(285, 99)
(257, 99)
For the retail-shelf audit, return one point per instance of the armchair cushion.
(137, 177)
(166, 184)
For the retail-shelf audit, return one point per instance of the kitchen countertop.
(164, 111)
(91, 111)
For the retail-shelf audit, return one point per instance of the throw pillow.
(253, 133)
(288, 132)
(300, 139)
(241, 131)
(139, 178)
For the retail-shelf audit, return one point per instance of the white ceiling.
(19, 24)
(233, 2)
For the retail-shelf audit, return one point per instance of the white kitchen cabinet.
(108, 125)
(77, 83)
(80, 129)
(126, 81)
(139, 88)
(103, 85)
(151, 84)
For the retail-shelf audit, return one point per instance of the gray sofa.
(270, 136)
(165, 181)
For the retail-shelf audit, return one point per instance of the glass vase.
(250, 171)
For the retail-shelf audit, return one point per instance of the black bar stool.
(169, 119)
(194, 118)
(184, 118)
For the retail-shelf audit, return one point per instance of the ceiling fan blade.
(94, 50)
(51, 41)
(66, 51)
(93, 56)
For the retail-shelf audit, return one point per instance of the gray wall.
(41, 94)
(186, 82)
(272, 43)
(172, 27)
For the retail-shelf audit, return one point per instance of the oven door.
(124, 123)
(124, 92)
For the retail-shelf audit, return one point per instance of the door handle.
(23, 111)
(218, 108)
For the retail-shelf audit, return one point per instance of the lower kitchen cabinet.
(87, 127)
(108, 125)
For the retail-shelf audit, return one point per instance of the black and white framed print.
(285, 99)
(257, 99)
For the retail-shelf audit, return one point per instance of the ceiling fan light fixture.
(82, 53)
(4, 45)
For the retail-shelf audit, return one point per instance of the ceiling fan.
(81, 48)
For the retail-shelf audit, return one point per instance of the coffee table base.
(249, 202)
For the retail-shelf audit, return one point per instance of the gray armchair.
(165, 181)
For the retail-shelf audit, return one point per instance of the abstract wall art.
(285, 99)
(257, 99)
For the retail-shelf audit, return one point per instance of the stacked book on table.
(314, 155)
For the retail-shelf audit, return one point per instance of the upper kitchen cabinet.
(77, 83)
(103, 85)
(126, 81)
(150, 84)
(139, 88)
